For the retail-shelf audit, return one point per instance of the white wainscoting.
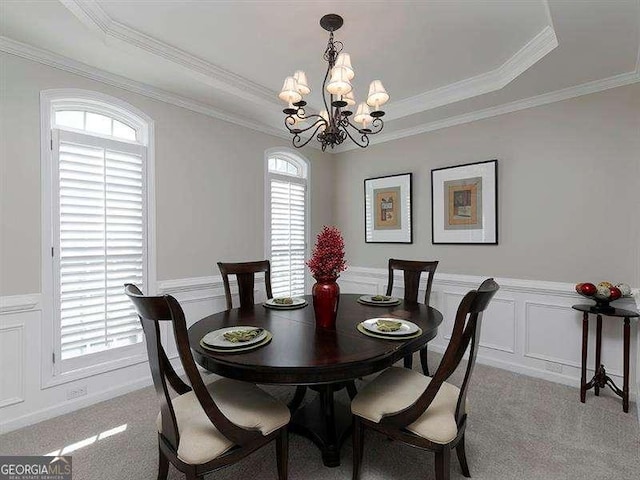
(23, 400)
(529, 328)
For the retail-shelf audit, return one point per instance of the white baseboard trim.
(72, 405)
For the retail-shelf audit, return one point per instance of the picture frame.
(388, 216)
(464, 204)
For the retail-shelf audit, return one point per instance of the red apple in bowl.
(587, 289)
(615, 293)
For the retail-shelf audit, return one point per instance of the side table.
(601, 379)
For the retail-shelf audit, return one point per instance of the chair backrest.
(245, 276)
(466, 331)
(412, 271)
(152, 311)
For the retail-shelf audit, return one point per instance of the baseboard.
(72, 405)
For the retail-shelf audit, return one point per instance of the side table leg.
(585, 336)
(598, 350)
(625, 388)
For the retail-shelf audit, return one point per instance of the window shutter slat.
(101, 246)
(288, 242)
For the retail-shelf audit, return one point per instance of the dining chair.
(412, 270)
(245, 276)
(205, 427)
(426, 412)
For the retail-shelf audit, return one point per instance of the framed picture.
(464, 204)
(387, 209)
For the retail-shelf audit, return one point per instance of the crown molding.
(544, 99)
(60, 62)
(539, 46)
(94, 17)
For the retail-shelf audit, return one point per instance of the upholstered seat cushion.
(243, 403)
(398, 388)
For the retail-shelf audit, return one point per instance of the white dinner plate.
(368, 300)
(297, 303)
(216, 338)
(407, 328)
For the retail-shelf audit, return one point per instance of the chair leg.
(358, 446)
(408, 362)
(297, 399)
(163, 465)
(282, 454)
(462, 458)
(352, 390)
(193, 476)
(443, 464)
(424, 362)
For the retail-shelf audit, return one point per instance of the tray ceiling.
(438, 60)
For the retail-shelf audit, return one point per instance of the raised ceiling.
(440, 60)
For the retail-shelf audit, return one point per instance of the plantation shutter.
(100, 241)
(288, 244)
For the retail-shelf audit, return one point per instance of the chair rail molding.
(20, 303)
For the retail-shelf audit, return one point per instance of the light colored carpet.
(519, 428)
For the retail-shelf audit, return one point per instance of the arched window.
(97, 234)
(287, 221)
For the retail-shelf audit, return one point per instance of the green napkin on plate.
(380, 298)
(388, 325)
(238, 336)
(283, 301)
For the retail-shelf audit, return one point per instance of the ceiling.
(443, 62)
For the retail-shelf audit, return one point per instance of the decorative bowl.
(603, 293)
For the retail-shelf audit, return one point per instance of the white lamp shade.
(362, 114)
(289, 92)
(339, 83)
(324, 115)
(349, 98)
(344, 61)
(301, 81)
(377, 94)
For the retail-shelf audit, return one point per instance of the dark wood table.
(326, 361)
(601, 379)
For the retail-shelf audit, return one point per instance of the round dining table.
(323, 360)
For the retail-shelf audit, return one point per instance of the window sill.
(119, 363)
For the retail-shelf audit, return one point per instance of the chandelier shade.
(289, 92)
(333, 125)
(344, 62)
(301, 82)
(378, 96)
(339, 83)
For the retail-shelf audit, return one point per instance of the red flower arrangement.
(327, 259)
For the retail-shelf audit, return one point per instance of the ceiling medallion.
(331, 129)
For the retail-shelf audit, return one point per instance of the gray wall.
(209, 181)
(569, 189)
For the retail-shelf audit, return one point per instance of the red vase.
(326, 296)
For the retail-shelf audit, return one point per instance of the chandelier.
(333, 124)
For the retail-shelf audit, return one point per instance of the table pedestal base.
(325, 422)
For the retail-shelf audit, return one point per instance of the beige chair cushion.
(243, 403)
(398, 388)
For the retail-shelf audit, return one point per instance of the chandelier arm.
(296, 141)
(377, 122)
(364, 138)
(317, 123)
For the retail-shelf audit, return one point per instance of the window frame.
(52, 373)
(305, 165)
